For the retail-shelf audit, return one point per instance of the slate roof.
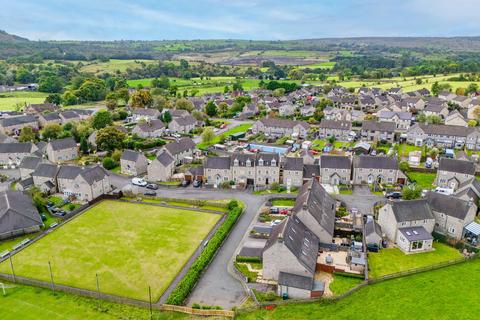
(295, 281)
(165, 158)
(17, 212)
(69, 114)
(283, 123)
(390, 114)
(19, 120)
(372, 227)
(378, 162)
(379, 126)
(180, 146)
(130, 155)
(30, 163)
(293, 164)
(25, 183)
(448, 130)
(68, 172)
(22, 147)
(335, 162)
(51, 116)
(415, 233)
(62, 144)
(332, 124)
(318, 203)
(458, 166)
(146, 112)
(311, 170)
(46, 170)
(217, 163)
(449, 205)
(410, 210)
(151, 126)
(93, 174)
(185, 121)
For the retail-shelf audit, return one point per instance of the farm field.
(9, 100)
(322, 65)
(29, 303)
(130, 246)
(453, 294)
(113, 65)
(393, 260)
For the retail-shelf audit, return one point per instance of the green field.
(130, 246)
(9, 100)
(283, 202)
(328, 65)
(448, 293)
(28, 303)
(393, 260)
(113, 65)
(423, 179)
(342, 284)
(240, 128)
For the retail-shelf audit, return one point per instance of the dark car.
(150, 193)
(274, 210)
(185, 183)
(393, 195)
(197, 183)
(373, 247)
(151, 186)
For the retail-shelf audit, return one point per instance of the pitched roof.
(165, 158)
(19, 120)
(378, 162)
(146, 112)
(130, 155)
(17, 212)
(449, 205)
(335, 162)
(293, 163)
(51, 116)
(62, 144)
(22, 147)
(283, 123)
(46, 170)
(185, 121)
(379, 126)
(69, 114)
(30, 162)
(372, 227)
(458, 166)
(333, 124)
(415, 233)
(68, 172)
(93, 174)
(295, 281)
(410, 210)
(217, 163)
(449, 130)
(311, 170)
(180, 145)
(314, 199)
(151, 126)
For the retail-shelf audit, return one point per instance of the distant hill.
(4, 36)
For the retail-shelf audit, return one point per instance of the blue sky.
(236, 19)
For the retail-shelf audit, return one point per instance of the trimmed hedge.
(185, 286)
(248, 259)
(350, 275)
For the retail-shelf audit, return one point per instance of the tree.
(404, 166)
(92, 90)
(54, 98)
(184, 104)
(84, 147)
(211, 109)
(163, 83)
(141, 99)
(411, 192)
(101, 119)
(167, 117)
(27, 135)
(109, 163)
(222, 107)
(472, 123)
(111, 104)
(109, 139)
(51, 84)
(116, 155)
(69, 98)
(472, 88)
(434, 119)
(208, 135)
(123, 94)
(51, 131)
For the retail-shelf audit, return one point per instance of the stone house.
(455, 118)
(217, 170)
(293, 171)
(62, 150)
(145, 114)
(259, 170)
(133, 163)
(181, 149)
(330, 113)
(409, 224)
(315, 208)
(18, 214)
(12, 154)
(378, 131)
(277, 128)
(13, 125)
(402, 119)
(373, 232)
(452, 214)
(45, 177)
(69, 116)
(28, 165)
(161, 168)
(440, 110)
(370, 169)
(292, 248)
(338, 129)
(182, 124)
(444, 136)
(42, 108)
(150, 129)
(452, 173)
(85, 184)
(307, 110)
(296, 286)
(49, 118)
(286, 110)
(335, 170)
(461, 101)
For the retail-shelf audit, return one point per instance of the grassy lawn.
(29, 303)
(453, 293)
(9, 100)
(342, 284)
(346, 191)
(9, 243)
(405, 149)
(130, 246)
(393, 260)
(240, 128)
(283, 202)
(423, 179)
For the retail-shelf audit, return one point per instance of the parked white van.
(139, 182)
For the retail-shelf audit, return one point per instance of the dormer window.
(274, 163)
(260, 162)
(235, 162)
(248, 163)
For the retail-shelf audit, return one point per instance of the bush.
(109, 163)
(232, 204)
(185, 286)
(71, 207)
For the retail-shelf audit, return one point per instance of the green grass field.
(393, 260)
(9, 100)
(342, 284)
(321, 65)
(283, 202)
(448, 293)
(130, 246)
(423, 179)
(240, 128)
(29, 303)
(113, 65)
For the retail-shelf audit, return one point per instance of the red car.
(284, 211)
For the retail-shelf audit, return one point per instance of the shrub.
(232, 204)
(185, 286)
(71, 207)
(109, 163)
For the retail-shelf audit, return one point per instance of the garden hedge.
(185, 286)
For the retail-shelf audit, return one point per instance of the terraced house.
(378, 131)
(453, 173)
(340, 130)
(13, 125)
(369, 169)
(444, 136)
(277, 128)
(335, 170)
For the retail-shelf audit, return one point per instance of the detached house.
(408, 224)
(150, 129)
(62, 150)
(145, 114)
(85, 184)
(133, 163)
(452, 173)
(402, 120)
(181, 149)
(45, 177)
(182, 124)
(340, 130)
(162, 167)
(452, 214)
(18, 215)
(455, 118)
